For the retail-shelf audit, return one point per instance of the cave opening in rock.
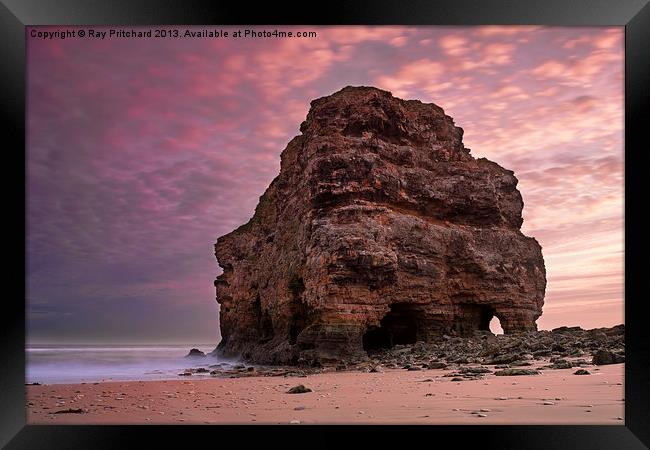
(264, 323)
(485, 314)
(473, 317)
(376, 338)
(399, 326)
(301, 317)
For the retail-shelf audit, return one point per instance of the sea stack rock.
(380, 229)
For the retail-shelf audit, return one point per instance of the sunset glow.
(141, 152)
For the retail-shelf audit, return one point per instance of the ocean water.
(76, 364)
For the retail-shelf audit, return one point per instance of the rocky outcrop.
(380, 229)
(472, 357)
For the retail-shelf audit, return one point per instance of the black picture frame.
(633, 14)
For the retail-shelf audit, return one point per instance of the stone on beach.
(603, 357)
(516, 372)
(300, 389)
(69, 411)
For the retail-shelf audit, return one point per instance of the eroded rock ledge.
(471, 357)
(380, 229)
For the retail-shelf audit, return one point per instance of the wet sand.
(392, 397)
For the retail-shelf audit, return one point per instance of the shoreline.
(392, 396)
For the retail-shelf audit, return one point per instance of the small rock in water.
(548, 403)
(581, 372)
(294, 422)
(481, 415)
(300, 389)
(195, 352)
(299, 408)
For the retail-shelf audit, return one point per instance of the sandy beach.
(391, 397)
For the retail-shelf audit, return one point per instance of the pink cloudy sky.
(142, 152)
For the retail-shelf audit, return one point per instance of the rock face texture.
(380, 229)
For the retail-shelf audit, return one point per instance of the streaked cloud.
(142, 152)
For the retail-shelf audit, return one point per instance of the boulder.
(300, 389)
(604, 357)
(380, 229)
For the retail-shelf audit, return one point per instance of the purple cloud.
(142, 152)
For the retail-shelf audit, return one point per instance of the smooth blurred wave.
(76, 364)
